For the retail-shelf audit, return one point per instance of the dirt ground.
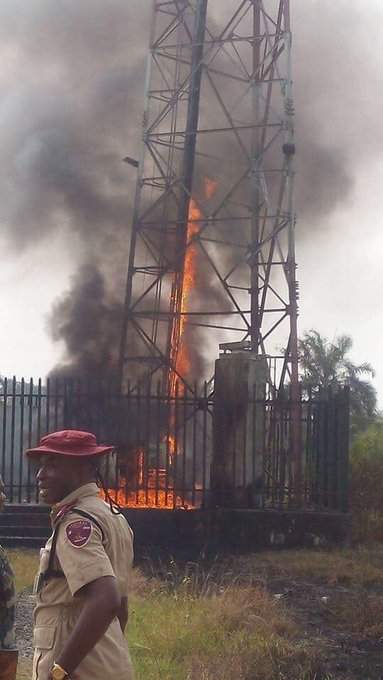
(347, 650)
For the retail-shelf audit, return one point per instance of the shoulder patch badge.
(78, 532)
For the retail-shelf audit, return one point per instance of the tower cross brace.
(212, 253)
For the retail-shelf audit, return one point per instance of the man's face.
(56, 477)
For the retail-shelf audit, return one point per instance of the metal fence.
(324, 444)
(166, 455)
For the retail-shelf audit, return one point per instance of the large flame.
(183, 356)
(154, 486)
(180, 354)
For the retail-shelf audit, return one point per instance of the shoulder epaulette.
(63, 511)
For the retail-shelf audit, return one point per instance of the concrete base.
(241, 531)
(188, 533)
(239, 429)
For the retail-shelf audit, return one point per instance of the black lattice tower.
(214, 192)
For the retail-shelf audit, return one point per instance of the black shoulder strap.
(54, 573)
(50, 572)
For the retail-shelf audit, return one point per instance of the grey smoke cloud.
(66, 117)
(337, 101)
(71, 99)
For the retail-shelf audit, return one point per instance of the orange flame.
(180, 348)
(155, 496)
(153, 492)
(189, 277)
(172, 446)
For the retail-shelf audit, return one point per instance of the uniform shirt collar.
(90, 489)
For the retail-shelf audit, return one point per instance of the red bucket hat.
(70, 443)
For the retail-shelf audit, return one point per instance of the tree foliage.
(327, 364)
(367, 483)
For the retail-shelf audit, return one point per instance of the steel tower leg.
(219, 109)
(174, 335)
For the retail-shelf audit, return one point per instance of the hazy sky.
(71, 94)
(340, 257)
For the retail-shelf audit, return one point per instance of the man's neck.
(86, 488)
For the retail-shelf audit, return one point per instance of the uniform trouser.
(8, 664)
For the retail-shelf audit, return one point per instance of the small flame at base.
(158, 492)
(142, 498)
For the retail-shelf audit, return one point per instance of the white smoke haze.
(71, 101)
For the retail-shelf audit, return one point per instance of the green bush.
(366, 488)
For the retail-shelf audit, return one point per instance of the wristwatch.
(58, 673)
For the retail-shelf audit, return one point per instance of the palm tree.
(326, 364)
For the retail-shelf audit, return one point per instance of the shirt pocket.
(44, 637)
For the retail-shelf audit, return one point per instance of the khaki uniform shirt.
(83, 554)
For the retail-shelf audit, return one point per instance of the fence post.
(344, 438)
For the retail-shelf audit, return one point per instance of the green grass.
(25, 564)
(239, 633)
(24, 669)
(362, 566)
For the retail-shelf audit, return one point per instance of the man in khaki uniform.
(81, 589)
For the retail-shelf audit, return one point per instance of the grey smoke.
(337, 99)
(71, 99)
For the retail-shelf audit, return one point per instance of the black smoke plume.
(71, 92)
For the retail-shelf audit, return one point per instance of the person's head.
(65, 461)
